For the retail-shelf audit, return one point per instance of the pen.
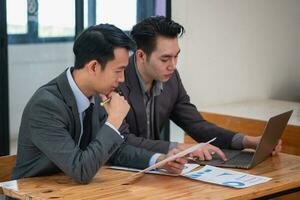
(105, 102)
(108, 100)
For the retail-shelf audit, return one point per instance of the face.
(162, 62)
(107, 80)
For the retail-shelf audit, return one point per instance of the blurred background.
(233, 52)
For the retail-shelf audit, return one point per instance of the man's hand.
(252, 142)
(175, 166)
(117, 108)
(205, 153)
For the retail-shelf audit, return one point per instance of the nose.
(173, 64)
(121, 78)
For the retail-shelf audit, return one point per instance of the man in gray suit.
(63, 126)
(156, 94)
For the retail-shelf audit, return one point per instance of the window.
(56, 18)
(17, 17)
(32, 21)
(35, 21)
(120, 13)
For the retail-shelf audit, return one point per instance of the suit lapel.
(136, 98)
(66, 92)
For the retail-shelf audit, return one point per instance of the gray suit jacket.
(173, 103)
(50, 131)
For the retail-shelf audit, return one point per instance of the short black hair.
(98, 43)
(145, 32)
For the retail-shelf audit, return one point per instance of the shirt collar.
(81, 100)
(157, 85)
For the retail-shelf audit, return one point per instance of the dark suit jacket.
(173, 103)
(50, 131)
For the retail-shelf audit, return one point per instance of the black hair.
(145, 32)
(98, 43)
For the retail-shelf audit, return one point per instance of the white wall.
(237, 50)
(31, 66)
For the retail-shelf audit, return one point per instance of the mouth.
(169, 75)
(114, 88)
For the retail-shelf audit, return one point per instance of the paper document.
(193, 148)
(226, 177)
(187, 168)
(10, 185)
(178, 155)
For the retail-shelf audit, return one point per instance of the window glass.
(16, 16)
(117, 12)
(86, 13)
(56, 18)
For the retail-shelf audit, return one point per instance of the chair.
(7, 164)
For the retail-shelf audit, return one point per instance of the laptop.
(248, 159)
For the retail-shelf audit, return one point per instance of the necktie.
(87, 128)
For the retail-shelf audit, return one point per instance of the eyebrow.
(168, 55)
(121, 67)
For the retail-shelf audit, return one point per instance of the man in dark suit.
(63, 126)
(156, 94)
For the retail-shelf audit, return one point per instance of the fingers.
(206, 153)
(174, 170)
(219, 152)
(103, 97)
(174, 167)
(181, 161)
(199, 154)
(277, 149)
(111, 94)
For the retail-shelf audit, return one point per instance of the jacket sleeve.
(48, 127)
(186, 115)
(159, 146)
(131, 156)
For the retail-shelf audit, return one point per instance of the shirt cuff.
(173, 145)
(237, 141)
(154, 159)
(116, 130)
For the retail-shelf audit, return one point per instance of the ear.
(140, 55)
(93, 66)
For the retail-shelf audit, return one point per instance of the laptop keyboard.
(239, 159)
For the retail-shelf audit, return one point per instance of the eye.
(119, 71)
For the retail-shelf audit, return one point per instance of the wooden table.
(107, 184)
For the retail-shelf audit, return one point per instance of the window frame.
(4, 102)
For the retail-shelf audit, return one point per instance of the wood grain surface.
(108, 184)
